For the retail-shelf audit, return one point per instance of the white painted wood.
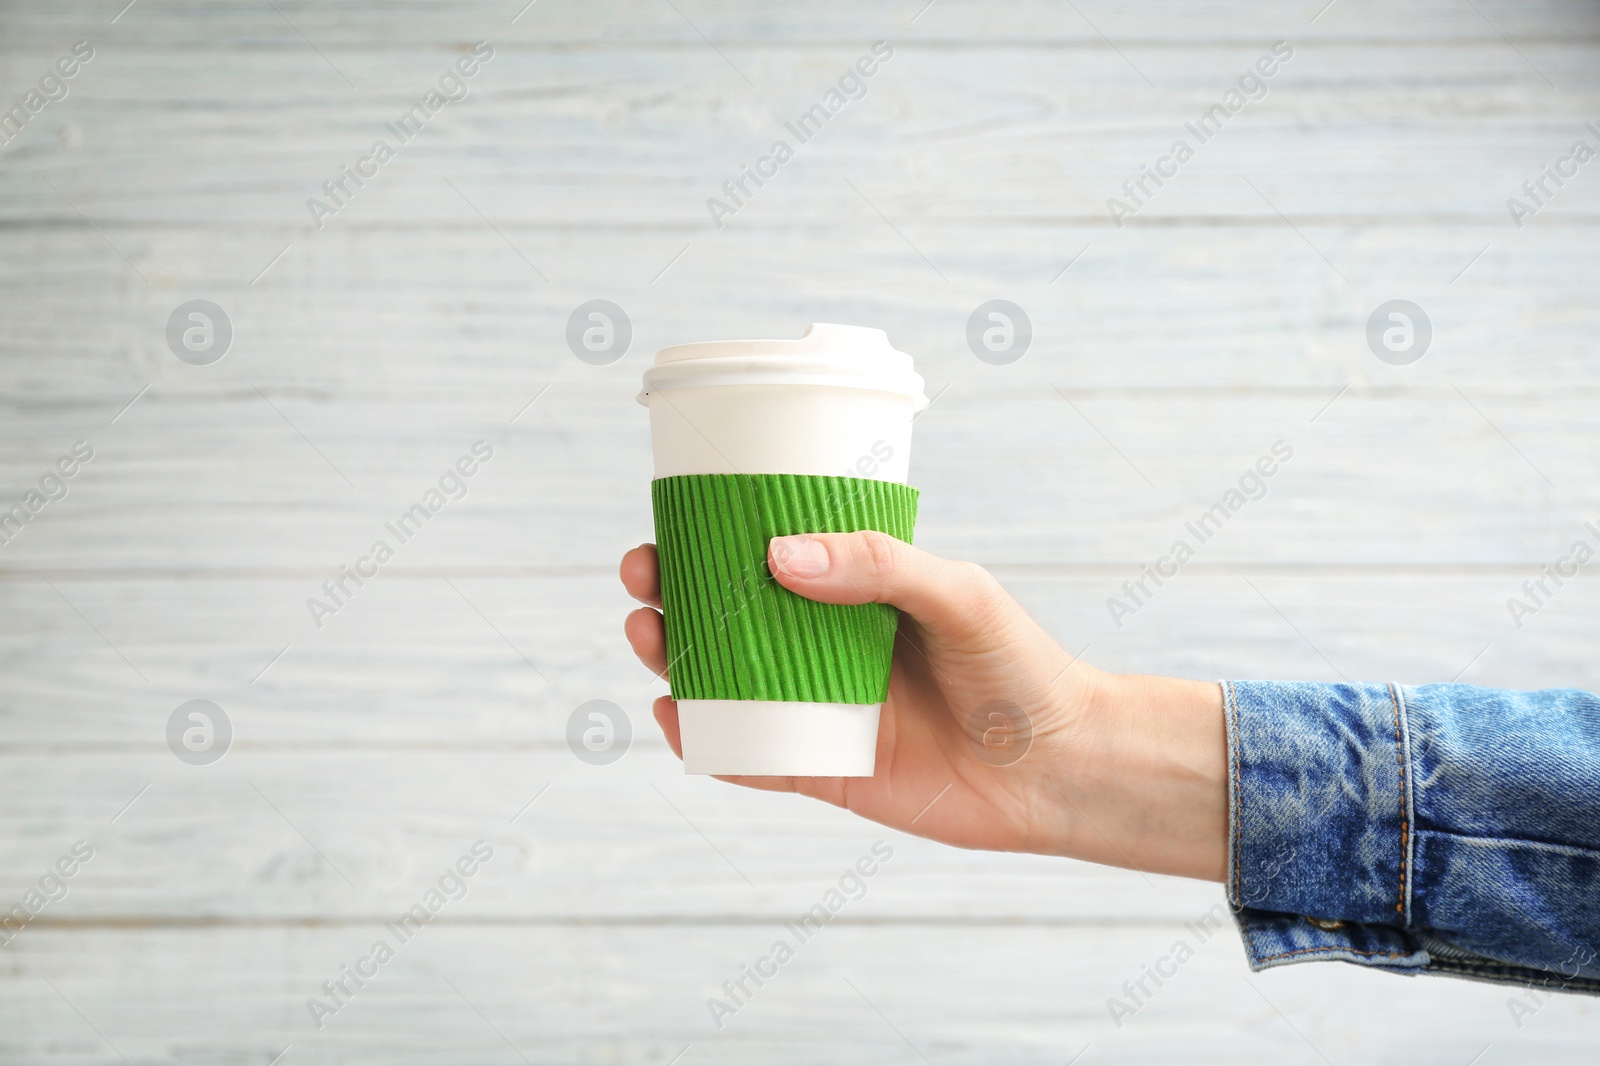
(337, 836)
(410, 665)
(990, 136)
(220, 479)
(1034, 22)
(424, 317)
(855, 993)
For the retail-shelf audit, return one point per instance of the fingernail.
(800, 556)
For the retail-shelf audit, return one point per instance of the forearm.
(1148, 788)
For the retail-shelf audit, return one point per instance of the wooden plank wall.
(370, 353)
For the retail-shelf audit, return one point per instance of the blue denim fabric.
(1417, 829)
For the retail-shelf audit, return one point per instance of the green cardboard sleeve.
(733, 632)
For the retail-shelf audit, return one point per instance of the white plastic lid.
(852, 357)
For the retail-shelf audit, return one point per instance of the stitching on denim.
(1247, 937)
(1532, 977)
(1409, 798)
(1329, 950)
(1405, 825)
(1231, 712)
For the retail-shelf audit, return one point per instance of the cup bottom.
(775, 738)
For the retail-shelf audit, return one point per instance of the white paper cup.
(837, 401)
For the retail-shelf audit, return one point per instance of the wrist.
(1145, 782)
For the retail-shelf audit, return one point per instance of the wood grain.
(1167, 355)
(499, 661)
(855, 992)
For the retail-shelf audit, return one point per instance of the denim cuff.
(1319, 823)
(1474, 857)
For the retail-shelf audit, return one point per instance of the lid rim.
(817, 337)
(828, 355)
(915, 393)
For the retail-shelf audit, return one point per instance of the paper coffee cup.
(763, 438)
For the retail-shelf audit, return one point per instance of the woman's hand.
(992, 735)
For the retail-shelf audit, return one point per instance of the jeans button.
(1326, 924)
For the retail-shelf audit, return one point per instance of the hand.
(992, 735)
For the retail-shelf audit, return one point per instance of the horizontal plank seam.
(1412, 217)
(608, 571)
(138, 922)
(561, 46)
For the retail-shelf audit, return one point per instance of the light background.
(369, 754)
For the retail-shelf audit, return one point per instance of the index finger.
(641, 574)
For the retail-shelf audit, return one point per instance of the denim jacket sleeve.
(1418, 829)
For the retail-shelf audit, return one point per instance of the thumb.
(952, 598)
